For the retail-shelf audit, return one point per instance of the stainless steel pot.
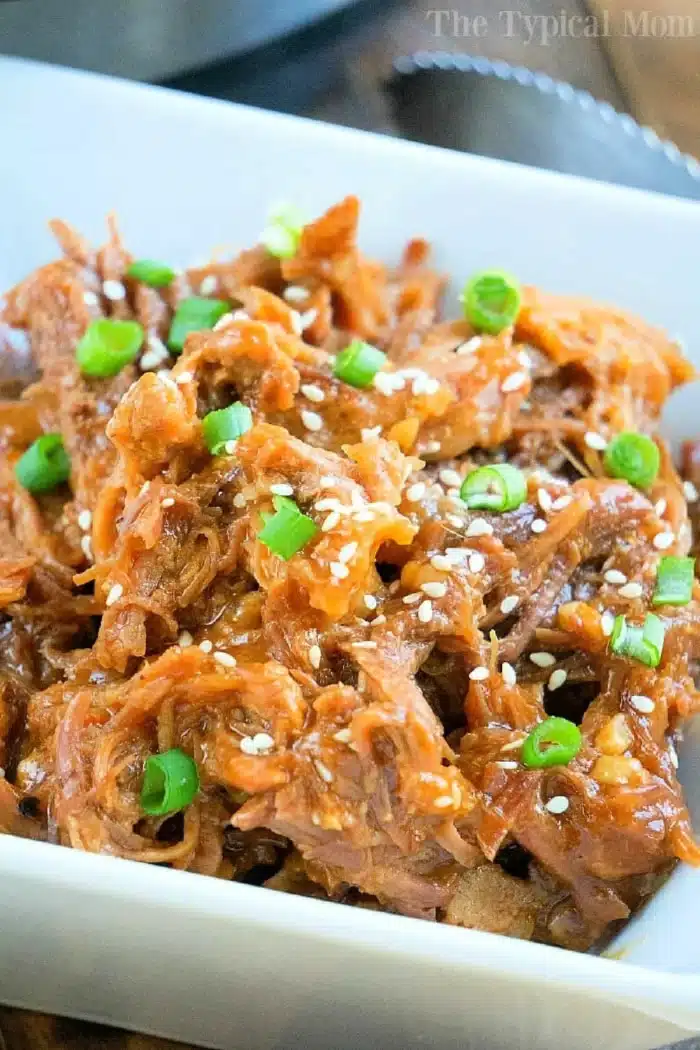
(148, 39)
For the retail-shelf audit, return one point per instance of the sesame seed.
(443, 802)
(607, 623)
(297, 325)
(379, 620)
(425, 384)
(311, 420)
(230, 447)
(643, 704)
(90, 299)
(206, 646)
(307, 319)
(595, 441)
(370, 601)
(315, 656)
(457, 555)
(85, 520)
(295, 293)
(673, 755)
(364, 645)
(389, 382)
(557, 679)
(479, 527)
(512, 745)
(343, 736)
(545, 500)
(282, 489)
(690, 492)
(225, 659)
(326, 481)
(450, 477)
(561, 502)
(331, 521)
(543, 659)
(660, 508)
(240, 315)
(631, 590)
(339, 570)
(185, 639)
(114, 290)
(329, 503)
(425, 611)
(470, 346)
(184, 378)
(479, 674)
(323, 771)
(509, 603)
(538, 526)
(86, 546)
(208, 285)
(164, 377)
(239, 500)
(115, 594)
(476, 562)
(167, 502)
(524, 359)
(432, 447)
(263, 742)
(441, 563)
(369, 433)
(558, 804)
(347, 553)
(223, 322)
(151, 359)
(416, 492)
(313, 392)
(454, 521)
(615, 576)
(247, 746)
(411, 599)
(663, 540)
(144, 488)
(434, 589)
(514, 382)
(508, 674)
(507, 764)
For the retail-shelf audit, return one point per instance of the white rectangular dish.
(233, 966)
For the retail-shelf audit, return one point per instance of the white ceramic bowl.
(235, 966)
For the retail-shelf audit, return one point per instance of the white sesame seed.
(369, 433)
(247, 746)
(230, 447)
(479, 527)
(364, 645)
(307, 319)
(282, 489)
(347, 553)
(660, 508)
(326, 481)
(343, 736)
(545, 500)
(457, 555)
(561, 502)
(86, 546)
(85, 520)
(90, 299)
(476, 562)
(263, 742)
(225, 320)
(416, 492)
(441, 563)
(607, 623)
(225, 659)
(311, 420)
(164, 377)
(454, 521)
(331, 521)
(295, 293)
(206, 646)
(114, 290)
(339, 570)
(479, 674)
(615, 576)
(514, 382)
(144, 488)
(185, 639)
(313, 392)
(673, 755)
(507, 764)
(115, 594)
(323, 771)
(470, 347)
(450, 477)
(595, 441)
(167, 502)
(508, 674)
(557, 679)
(509, 603)
(297, 326)
(432, 447)
(663, 540)
(184, 378)
(543, 659)
(208, 285)
(240, 501)
(558, 804)
(443, 802)
(434, 589)
(151, 359)
(240, 315)
(411, 599)
(379, 620)
(388, 383)
(631, 590)
(315, 656)
(643, 704)
(524, 359)
(329, 503)
(690, 492)
(425, 384)
(512, 745)
(425, 611)
(538, 526)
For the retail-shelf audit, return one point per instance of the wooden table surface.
(656, 77)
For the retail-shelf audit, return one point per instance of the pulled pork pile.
(356, 712)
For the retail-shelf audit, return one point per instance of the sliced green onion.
(644, 644)
(492, 301)
(194, 315)
(554, 742)
(674, 581)
(108, 346)
(498, 488)
(633, 457)
(170, 782)
(156, 274)
(283, 231)
(358, 364)
(44, 465)
(224, 425)
(288, 530)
